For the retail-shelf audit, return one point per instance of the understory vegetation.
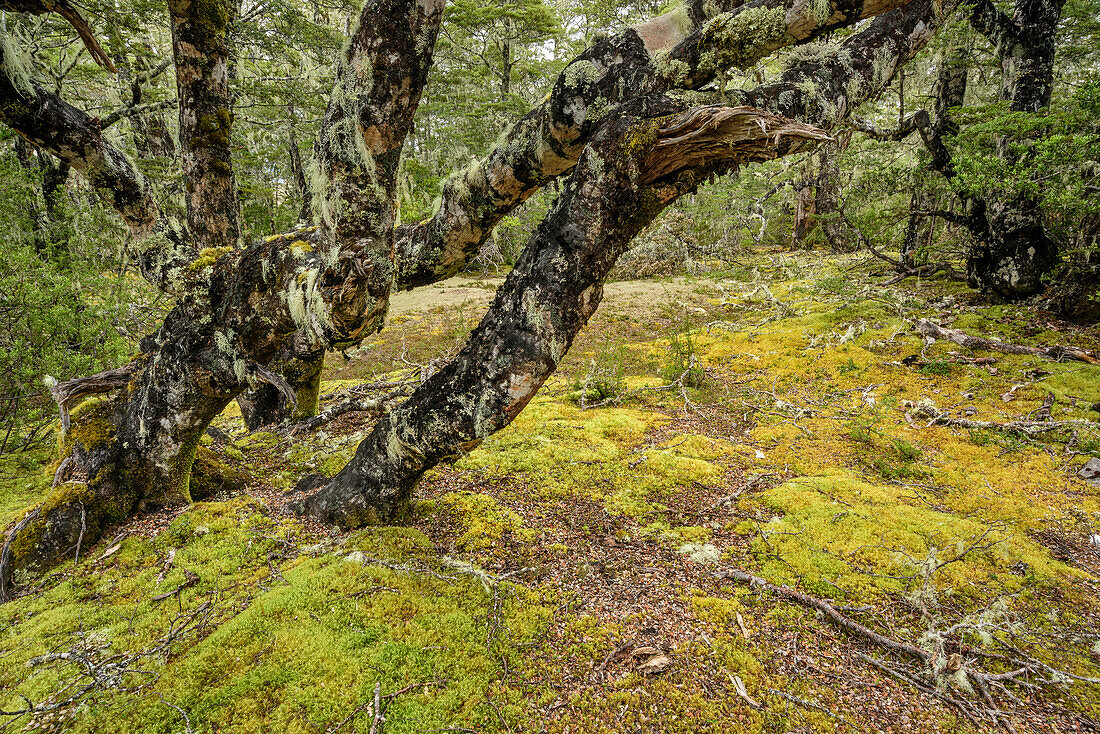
(573, 572)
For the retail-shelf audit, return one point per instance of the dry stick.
(83, 529)
(829, 611)
(379, 720)
(1028, 428)
(1058, 353)
(982, 679)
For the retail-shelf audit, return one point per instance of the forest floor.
(580, 571)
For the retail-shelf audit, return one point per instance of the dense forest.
(550, 365)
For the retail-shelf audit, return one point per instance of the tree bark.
(200, 46)
(640, 162)
(1013, 254)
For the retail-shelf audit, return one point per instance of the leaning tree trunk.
(634, 167)
(687, 48)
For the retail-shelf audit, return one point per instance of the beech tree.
(631, 124)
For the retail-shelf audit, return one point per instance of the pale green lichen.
(743, 39)
(15, 66)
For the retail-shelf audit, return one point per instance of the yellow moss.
(483, 520)
(207, 257)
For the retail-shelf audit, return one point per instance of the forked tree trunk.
(687, 48)
(237, 306)
(629, 173)
(638, 164)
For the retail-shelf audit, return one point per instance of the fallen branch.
(932, 332)
(98, 669)
(926, 271)
(1026, 428)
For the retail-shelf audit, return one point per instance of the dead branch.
(703, 133)
(98, 669)
(327, 416)
(68, 392)
(926, 271)
(1025, 428)
(932, 332)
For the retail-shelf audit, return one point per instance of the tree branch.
(671, 52)
(67, 11)
(74, 136)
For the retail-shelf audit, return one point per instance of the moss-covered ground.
(566, 575)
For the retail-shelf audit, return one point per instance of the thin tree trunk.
(948, 91)
(201, 48)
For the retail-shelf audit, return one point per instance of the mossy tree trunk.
(237, 306)
(1012, 253)
(643, 158)
(267, 405)
(687, 48)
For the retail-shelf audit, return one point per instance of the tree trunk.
(238, 306)
(1014, 255)
(827, 202)
(200, 46)
(637, 165)
(804, 221)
